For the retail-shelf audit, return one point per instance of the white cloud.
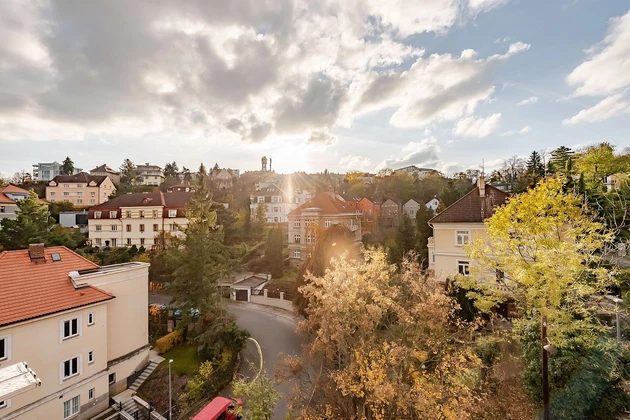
(605, 109)
(524, 130)
(477, 6)
(423, 152)
(477, 127)
(352, 162)
(530, 100)
(323, 138)
(607, 67)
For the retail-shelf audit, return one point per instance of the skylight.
(55, 257)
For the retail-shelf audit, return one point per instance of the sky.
(329, 84)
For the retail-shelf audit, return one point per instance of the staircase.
(130, 407)
(144, 375)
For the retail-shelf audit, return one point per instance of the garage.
(241, 295)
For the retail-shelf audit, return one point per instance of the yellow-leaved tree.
(382, 344)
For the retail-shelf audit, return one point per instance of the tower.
(270, 160)
(264, 163)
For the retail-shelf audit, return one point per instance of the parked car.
(221, 408)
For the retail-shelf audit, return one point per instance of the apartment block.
(9, 196)
(82, 189)
(47, 171)
(278, 202)
(148, 174)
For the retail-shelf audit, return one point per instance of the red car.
(221, 408)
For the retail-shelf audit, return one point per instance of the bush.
(169, 341)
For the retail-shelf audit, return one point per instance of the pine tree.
(31, 225)
(273, 252)
(128, 172)
(423, 233)
(535, 167)
(67, 168)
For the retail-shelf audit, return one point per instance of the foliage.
(59, 206)
(404, 243)
(169, 341)
(259, 220)
(273, 252)
(216, 332)
(259, 397)
(423, 233)
(194, 387)
(382, 345)
(128, 172)
(67, 167)
(31, 225)
(69, 237)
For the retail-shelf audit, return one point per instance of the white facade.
(47, 171)
(433, 204)
(278, 203)
(150, 174)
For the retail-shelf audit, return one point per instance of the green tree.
(260, 221)
(423, 233)
(187, 175)
(561, 161)
(404, 242)
(273, 252)
(171, 170)
(67, 167)
(32, 224)
(128, 172)
(535, 166)
(259, 397)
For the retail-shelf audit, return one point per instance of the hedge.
(169, 341)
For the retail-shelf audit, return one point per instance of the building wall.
(411, 210)
(45, 360)
(115, 178)
(445, 254)
(8, 210)
(80, 194)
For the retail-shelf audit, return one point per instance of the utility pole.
(170, 399)
(545, 367)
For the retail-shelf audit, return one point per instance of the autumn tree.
(273, 252)
(67, 167)
(542, 251)
(259, 396)
(423, 233)
(32, 224)
(404, 241)
(383, 345)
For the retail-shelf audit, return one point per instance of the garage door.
(241, 295)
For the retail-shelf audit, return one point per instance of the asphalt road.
(275, 332)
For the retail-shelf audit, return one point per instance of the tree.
(542, 251)
(423, 233)
(404, 242)
(260, 221)
(20, 178)
(128, 172)
(31, 225)
(380, 347)
(187, 175)
(273, 252)
(259, 397)
(67, 168)
(535, 166)
(171, 170)
(561, 161)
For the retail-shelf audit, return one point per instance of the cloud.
(530, 100)
(352, 162)
(323, 138)
(524, 130)
(477, 127)
(423, 152)
(606, 69)
(477, 6)
(605, 109)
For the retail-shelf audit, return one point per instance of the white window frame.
(91, 393)
(62, 325)
(172, 213)
(327, 223)
(114, 228)
(5, 404)
(297, 254)
(61, 368)
(98, 241)
(110, 382)
(261, 200)
(296, 223)
(7, 347)
(74, 407)
(90, 319)
(90, 357)
(297, 239)
(463, 268)
(98, 228)
(97, 214)
(462, 237)
(112, 214)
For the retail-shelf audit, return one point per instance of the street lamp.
(617, 302)
(170, 398)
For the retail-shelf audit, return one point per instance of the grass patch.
(185, 359)
(284, 283)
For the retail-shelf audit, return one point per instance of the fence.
(275, 299)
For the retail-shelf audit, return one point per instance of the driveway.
(275, 332)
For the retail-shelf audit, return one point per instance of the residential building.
(420, 172)
(139, 219)
(224, 178)
(613, 182)
(74, 219)
(82, 189)
(391, 210)
(82, 328)
(308, 220)
(457, 226)
(9, 196)
(148, 174)
(278, 202)
(433, 204)
(369, 210)
(410, 208)
(47, 171)
(108, 172)
(181, 188)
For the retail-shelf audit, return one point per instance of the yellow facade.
(80, 194)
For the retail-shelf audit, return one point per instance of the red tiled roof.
(81, 177)
(13, 189)
(472, 208)
(175, 200)
(5, 199)
(33, 289)
(326, 202)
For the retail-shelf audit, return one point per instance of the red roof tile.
(13, 189)
(472, 208)
(175, 200)
(81, 177)
(33, 289)
(327, 202)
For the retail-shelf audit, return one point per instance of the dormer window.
(172, 213)
(112, 214)
(97, 214)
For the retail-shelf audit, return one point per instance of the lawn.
(185, 359)
(284, 283)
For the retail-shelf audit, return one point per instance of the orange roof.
(32, 289)
(5, 199)
(329, 203)
(13, 189)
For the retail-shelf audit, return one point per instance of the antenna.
(483, 168)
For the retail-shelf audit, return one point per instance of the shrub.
(169, 341)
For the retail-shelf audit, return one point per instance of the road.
(275, 332)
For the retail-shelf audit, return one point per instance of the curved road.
(275, 332)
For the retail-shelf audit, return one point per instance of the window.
(276, 209)
(80, 194)
(327, 223)
(141, 241)
(91, 394)
(463, 268)
(114, 227)
(66, 193)
(462, 237)
(92, 194)
(296, 239)
(297, 254)
(71, 407)
(310, 239)
(296, 223)
(155, 227)
(112, 214)
(173, 227)
(98, 228)
(90, 319)
(142, 214)
(66, 185)
(92, 201)
(128, 214)
(112, 378)
(128, 241)
(79, 201)
(155, 214)
(275, 220)
(70, 328)
(128, 228)
(275, 199)
(113, 241)
(97, 214)
(141, 228)
(4, 404)
(52, 193)
(98, 241)
(70, 368)
(261, 199)
(5, 348)
(79, 185)
(90, 357)
(172, 213)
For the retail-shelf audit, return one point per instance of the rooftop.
(34, 284)
(472, 208)
(104, 168)
(81, 177)
(328, 203)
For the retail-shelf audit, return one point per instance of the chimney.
(482, 186)
(36, 252)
